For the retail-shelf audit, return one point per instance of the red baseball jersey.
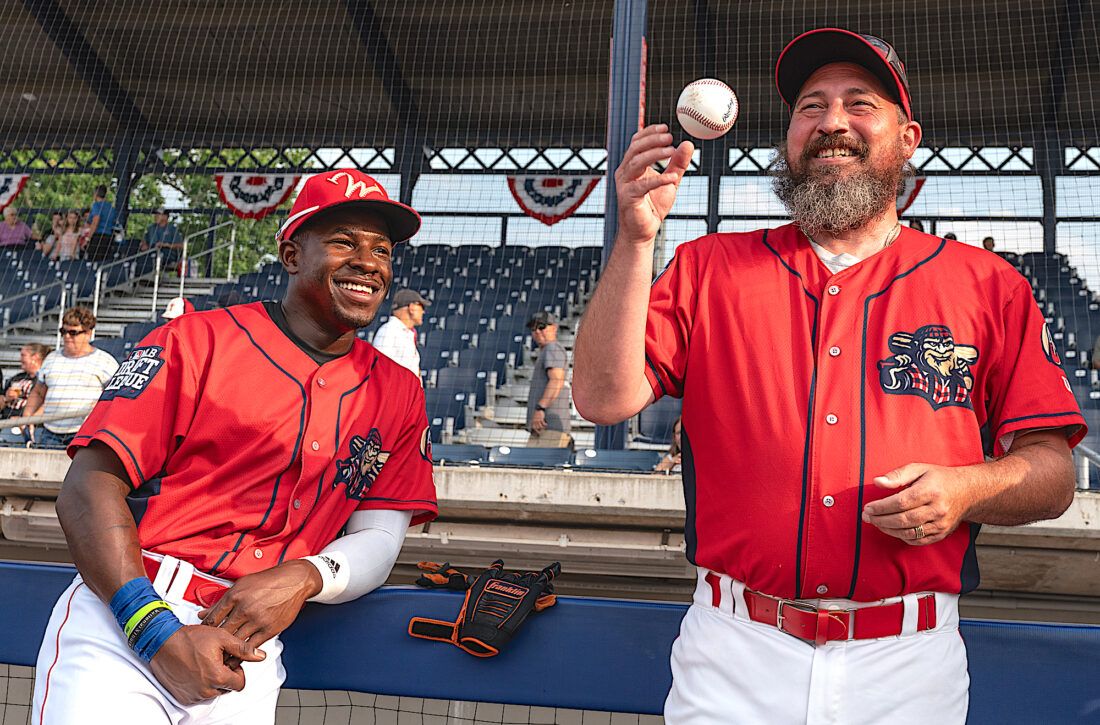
(800, 386)
(243, 451)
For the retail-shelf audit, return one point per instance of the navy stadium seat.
(655, 422)
(609, 460)
(534, 457)
(459, 453)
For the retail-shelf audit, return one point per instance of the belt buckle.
(796, 605)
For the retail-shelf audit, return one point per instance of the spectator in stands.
(165, 236)
(14, 232)
(397, 338)
(670, 463)
(548, 399)
(67, 246)
(71, 380)
(989, 244)
(177, 306)
(916, 225)
(951, 236)
(19, 387)
(102, 223)
(1095, 359)
(57, 228)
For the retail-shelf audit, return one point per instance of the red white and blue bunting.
(254, 196)
(10, 186)
(551, 198)
(908, 195)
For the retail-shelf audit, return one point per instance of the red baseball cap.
(349, 186)
(816, 48)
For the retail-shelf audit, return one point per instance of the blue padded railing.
(591, 654)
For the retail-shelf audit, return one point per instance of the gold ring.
(918, 531)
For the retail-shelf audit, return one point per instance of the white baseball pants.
(86, 673)
(728, 669)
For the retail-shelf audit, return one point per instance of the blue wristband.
(157, 626)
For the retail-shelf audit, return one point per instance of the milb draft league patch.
(360, 469)
(254, 196)
(134, 374)
(927, 363)
(551, 198)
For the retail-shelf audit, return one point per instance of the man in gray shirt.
(548, 399)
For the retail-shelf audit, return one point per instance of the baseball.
(707, 108)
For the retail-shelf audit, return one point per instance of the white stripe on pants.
(729, 669)
(92, 676)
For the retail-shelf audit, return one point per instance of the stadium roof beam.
(410, 151)
(65, 34)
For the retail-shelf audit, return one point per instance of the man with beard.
(832, 520)
(210, 484)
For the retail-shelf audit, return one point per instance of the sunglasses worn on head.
(71, 333)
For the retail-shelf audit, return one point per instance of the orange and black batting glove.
(496, 604)
(441, 576)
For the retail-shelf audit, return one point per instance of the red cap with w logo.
(349, 186)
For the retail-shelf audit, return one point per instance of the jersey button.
(822, 589)
(259, 554)
(834, 351)
(830, 419)
(834, 289)
(828, 501)
(298, 503)
(315, 446)
(321, 382)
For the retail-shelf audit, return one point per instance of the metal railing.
(1085, 458)
(37, 291)
(102, 269)
(187, 260)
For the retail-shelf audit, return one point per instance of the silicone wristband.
(145, 619)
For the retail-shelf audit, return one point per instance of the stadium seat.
(466, 380)
(655, 422)
(446, 411)
(640, 461)
(459, 453)
(532, 457)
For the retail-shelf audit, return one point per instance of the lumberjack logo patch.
(929, 364)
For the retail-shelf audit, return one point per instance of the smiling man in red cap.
(209, 485)
(859, 398)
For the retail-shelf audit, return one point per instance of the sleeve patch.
(426, 444)
(134, 375)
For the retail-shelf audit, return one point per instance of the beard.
(832, 200)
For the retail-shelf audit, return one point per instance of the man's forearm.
(1032, 483)
(609, 353)
(98, 525)
(551, 392)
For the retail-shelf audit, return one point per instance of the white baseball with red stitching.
(707, 108)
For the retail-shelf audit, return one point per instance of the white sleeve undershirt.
(367, 552)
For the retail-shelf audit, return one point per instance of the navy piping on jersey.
(401, 500)
(687, 476)
(133, 458)
(294, 453)
(804, 505)
(1040, 415)
(970, 576)
(863, 408)
(335, 454)
(660, 383)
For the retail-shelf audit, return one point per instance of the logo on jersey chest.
(134, 374)
(929, 363)
(358, 472)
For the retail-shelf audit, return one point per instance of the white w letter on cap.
(353, 185)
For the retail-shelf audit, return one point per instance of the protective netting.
(492, 120)
(342, 707)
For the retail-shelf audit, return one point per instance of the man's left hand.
(259, 606)
(930, 497)
(538, 421)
